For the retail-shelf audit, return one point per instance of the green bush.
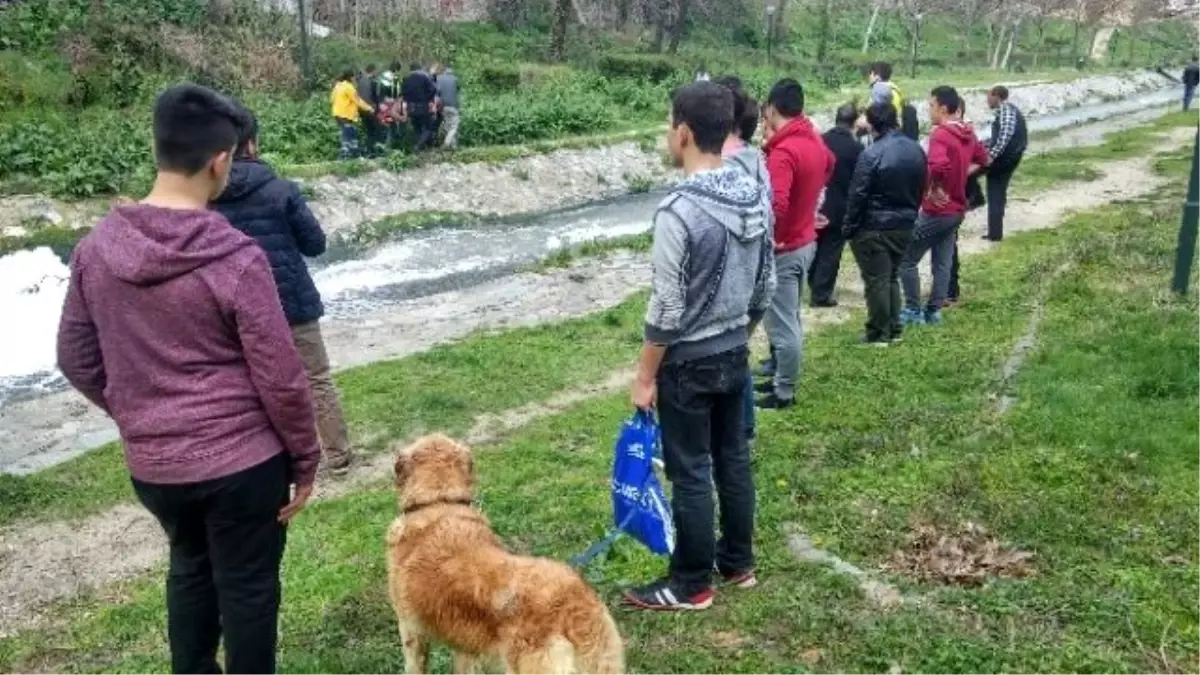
(639, 67)
(32, 82)
(499, 77)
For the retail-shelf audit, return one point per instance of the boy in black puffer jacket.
(272, 211)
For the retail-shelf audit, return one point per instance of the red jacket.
(800, 166)
(173, 326)
(953, 148)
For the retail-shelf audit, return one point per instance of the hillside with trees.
(77, 76)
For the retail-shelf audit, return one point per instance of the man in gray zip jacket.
(714, 276)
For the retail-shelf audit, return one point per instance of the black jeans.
(997, 200)
(701, 410)
(374, 133)
(226, 546)
(423, 126)
(879, 254)
(822, 276)
(954, 289)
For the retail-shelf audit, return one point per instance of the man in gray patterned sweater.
(714, 276)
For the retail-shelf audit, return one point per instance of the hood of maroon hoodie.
(147, 245)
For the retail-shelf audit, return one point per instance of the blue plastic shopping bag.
(640, 508)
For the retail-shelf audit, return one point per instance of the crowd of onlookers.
(734, 244)
(378, 106)
(191, 319)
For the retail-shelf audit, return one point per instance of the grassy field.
(1092, 472)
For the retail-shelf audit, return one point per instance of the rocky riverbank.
(555, 180)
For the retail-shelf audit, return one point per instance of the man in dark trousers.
(1191, 79)
(368, 90)
(1006, 147)
(845, 148)
(420, 100)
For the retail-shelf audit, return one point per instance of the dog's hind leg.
(416, 649)
(556, 658)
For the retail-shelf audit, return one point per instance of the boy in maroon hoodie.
(954, 153)
(172, 326)
(800, 165)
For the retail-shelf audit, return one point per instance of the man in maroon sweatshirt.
(800, 165)
(954, 154)
(172, 326)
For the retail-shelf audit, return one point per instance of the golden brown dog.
(450, 579)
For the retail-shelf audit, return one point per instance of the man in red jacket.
(172, 325)
(954, 154)
(800, 165)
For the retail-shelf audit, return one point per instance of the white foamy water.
(32, 287)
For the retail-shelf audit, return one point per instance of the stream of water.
(32, 283)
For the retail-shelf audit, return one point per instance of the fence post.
(1185, 250)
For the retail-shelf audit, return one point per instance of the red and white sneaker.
(659, 596)
(745, 579)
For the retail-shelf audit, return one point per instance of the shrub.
(639, 67)
(30, 82)
(500, 77)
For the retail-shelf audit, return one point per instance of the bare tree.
(876, 7)
(678, 25)
(824, 28)
(916, 13)
(563, 10)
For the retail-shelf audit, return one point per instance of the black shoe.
(990, 238)
(773, 402)
(661, 597)
(764, 387)
(825, 303)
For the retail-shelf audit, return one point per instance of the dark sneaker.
(659, 596)
(773, 402)
(744, 580)
(764, 387)
(819, 304)
(896, 339)
(933, 317)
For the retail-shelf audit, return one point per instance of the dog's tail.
(605, 654)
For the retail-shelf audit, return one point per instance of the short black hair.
(414, 66)
(847, 114)
(748, 123)
(192, 124)
(1000, 91)
(707, 109)
(734, 84)
(247, 131)
(370, 68)
(946, 96)
(883, 69)
(787, 97)
(347, 75)
(396, 66)
(882, 117)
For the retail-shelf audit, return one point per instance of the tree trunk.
(870, 27)
(1012, 38)
(994, 62)
(662, 9)
(678, 26)
(558, 29)
(779, 21)
(824, 25)
(624, 9)
(914, 45)
(1075, 44)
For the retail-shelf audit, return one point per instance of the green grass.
(1094, 470)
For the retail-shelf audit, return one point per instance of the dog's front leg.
(466, 664)
(416, 649)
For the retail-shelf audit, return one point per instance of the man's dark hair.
(787, 97)
(846, 115)
(247, 132)
(347, 75)
(370, 68)
(962, 106)
(748, 123)
(882, 118)
(1000, 91)
(414, 66)
(192, 124)
(396, 66)
(883, 69)
(946, 96)
(707, 109)
(734, 84)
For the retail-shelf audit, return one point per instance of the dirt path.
(45, 563)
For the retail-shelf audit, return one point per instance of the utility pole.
(770, 30)
(305, 58)
(1185, 251)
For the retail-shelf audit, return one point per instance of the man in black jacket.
(1006, 147)
(420, 100)
(369, 91)
(822, 276)
(274, 213)
(881, 210)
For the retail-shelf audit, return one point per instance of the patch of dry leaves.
(967, 557)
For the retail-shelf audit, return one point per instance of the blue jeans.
(349, 139)
(934, 235)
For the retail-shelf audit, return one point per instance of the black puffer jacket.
(274, 213)
(888, 183)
